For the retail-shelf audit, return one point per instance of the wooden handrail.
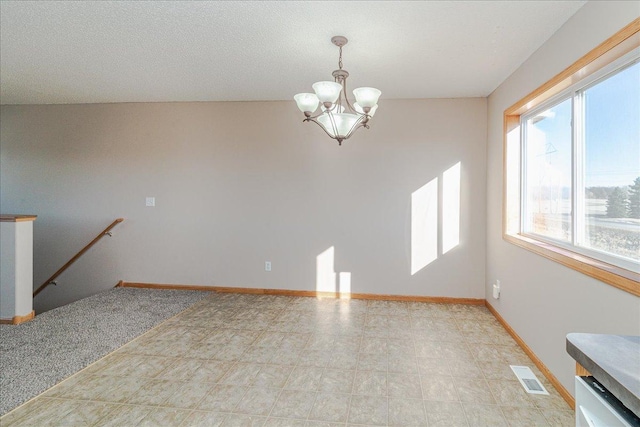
(78, 255)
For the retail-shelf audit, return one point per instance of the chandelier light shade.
(367, 96)
(338, 117)
(327, 91)
(307, 102)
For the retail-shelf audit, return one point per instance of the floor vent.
(528, 380)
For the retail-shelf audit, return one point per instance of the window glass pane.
(612, 164)
(547, 183)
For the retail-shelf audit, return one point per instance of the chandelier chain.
(340, 59)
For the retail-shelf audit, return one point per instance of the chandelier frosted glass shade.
(338, 125)
(307, 102)
(338, 117)
(327, 91)
(367, 97)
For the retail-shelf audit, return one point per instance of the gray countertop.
(613, 360)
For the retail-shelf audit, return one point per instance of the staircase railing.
(51, 280)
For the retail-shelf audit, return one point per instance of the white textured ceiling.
(140, 51)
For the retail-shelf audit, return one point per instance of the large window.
(572, 159)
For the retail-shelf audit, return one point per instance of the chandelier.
(338, 117)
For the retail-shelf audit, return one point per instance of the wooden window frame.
(621, 43)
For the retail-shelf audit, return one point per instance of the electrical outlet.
(496, 289)
(267, 266)
(150, 202)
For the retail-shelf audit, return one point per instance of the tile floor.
(256, 360)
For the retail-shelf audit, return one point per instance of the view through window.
(581, 167)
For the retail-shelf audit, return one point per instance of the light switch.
(150, 201)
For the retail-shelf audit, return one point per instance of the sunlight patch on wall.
(344, 286)
(451, 208)
(424, 226)
(327, 280)
(325, 273)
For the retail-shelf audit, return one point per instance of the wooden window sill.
(628, 281)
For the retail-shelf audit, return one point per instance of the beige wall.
(237, 184)
(540, 299)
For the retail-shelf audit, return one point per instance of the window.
(547, 172)
(581, 158)
(572, 165)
